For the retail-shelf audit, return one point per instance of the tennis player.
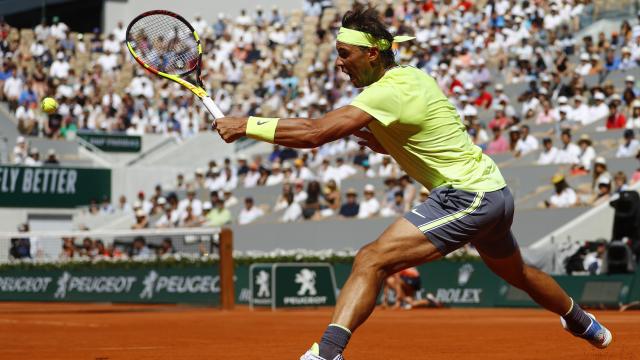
(405, 114)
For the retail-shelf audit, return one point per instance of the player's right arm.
(303, 133)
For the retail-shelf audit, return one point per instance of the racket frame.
(198, 89)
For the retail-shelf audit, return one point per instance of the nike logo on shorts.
(417, 213)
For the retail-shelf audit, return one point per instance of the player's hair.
(366, 19)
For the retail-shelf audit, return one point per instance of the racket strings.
(164, 43)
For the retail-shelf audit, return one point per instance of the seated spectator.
(620, 182)
(600, 173)
(344, 170)
(301, 171)
(276, 177)
(580, 113)
(593, 261)
(564, 196)
(229, 199)
(141, 220)
(514, 136)
(52, 158)
(166, 247)
(629, 146)
(293, 211)
(527, 143)
(395, 208)
(499, 144)
(603, 193)
(34, 158)
(547, 115)
(634, 119)
(408, 191)
(189, 218)
(190, 200)
(587, 154)
(350, 207)
(311, 205)
(140, 250)
(501, 120)
(169, 219)
(549, 152)
(369, 207)
(299, 195)
(249, 213)
(616, 119)
(599, 110)
(219, 215)
(630, 92)
(101, 250)
(332, 199)
(568, 152)
(287, 173)
(281, 201)
(251, 178)
(123, 206)
(387, 168)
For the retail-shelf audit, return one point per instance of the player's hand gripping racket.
(167, 45)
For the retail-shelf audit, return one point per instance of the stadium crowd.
(267, 63)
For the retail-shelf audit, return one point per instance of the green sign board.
(113, 142)
(303, 285)
(49, 186)
(196, 285)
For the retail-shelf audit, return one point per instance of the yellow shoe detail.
(315, 349)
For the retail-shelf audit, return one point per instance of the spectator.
(145, 204)
(332, 197)
(527, 143)
(169, 219)
(547, 115)
(190, 200)
(301, 171)
(52, 158)
(603, 192)
(599, 110)
(344, 170)
(600, 173)
(252, 177)
(395, 208)
(499, 144)
(293, 211)
(299, 195)
(88, 248)
(106, 207)
(140, 250)
(166, 247)
(580, 113)
(189, 218)
(616, 119)
(123, 206)
(593, 260)
(634, 119)
(387, 168)
(514, 137)
(141, 220)
(629, 146)
(587, 154)
(408, 191)
(219, 215)
(276, 177)
(370, 206)
(350, 207)
(229, 199)
(311, 205)
(569, 152)
(564, 196)
(249, 213)
(620, 182)
(549, 152)
(34, 158)
(630, 92)
(21, 246)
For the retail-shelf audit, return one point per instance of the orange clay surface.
(104, 331)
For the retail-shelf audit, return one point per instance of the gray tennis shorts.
(451, 218)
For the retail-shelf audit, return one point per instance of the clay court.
(104, 331)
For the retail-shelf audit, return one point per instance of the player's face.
(355, 62)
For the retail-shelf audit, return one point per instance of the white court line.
(53, 323)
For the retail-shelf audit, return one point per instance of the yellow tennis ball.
(49, 105)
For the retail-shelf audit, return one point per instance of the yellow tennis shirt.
(421, 129)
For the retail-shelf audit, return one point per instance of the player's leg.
(400, 246)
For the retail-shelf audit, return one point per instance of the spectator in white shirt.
(111, 44)
(276, 177)
(633, 121)
(580, 113)
(599, 110)
(191, 200)
(585, 65)
(251, 179)
(301, 171)
(293, 211)
(369, 207)
(58, 29)
(120, 32)
(527, 143)
(564, 196)
(549, 152)
(34, 158)
(299, 194)
(387, 168)
(199, 25)
(629, 146)
(60, 67)
(328, 172)
(344, 170)
(108, 61)
(249, 213)
(587, 153)
(569, 152)
(169, 219)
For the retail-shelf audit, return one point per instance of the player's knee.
(369, 259)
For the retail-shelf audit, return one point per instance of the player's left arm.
(303, 133)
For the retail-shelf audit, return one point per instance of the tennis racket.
(166, 44)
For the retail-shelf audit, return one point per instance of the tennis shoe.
(314, 354)
(596, 334)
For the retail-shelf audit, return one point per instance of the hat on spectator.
(626, 50)
(137, 205)
(369, 188)
(286, 166)
(464, 98)
(600, 160)
(630, 78)
(20, 140)
(51, 152)
(615, 97)
(470, 111)
(499, 87)
(584, 57)
(161, 201)
(543, 91)
(140, 213)
(604, 180)
(578, 98)
(599, 96)
(242, 157)
(514, 129)
(207, 205)
(457, 90)
(585, 138)
(468, 86)
(595, 57)
(563, 100)
(352, 191)
(298, 162)
(635, 103)
(33, 150)
(275, 166)
(545, 78)
(199, 171)
(557, 178)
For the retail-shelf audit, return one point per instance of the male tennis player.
(409, 118)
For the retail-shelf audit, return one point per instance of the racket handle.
(214, 110)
